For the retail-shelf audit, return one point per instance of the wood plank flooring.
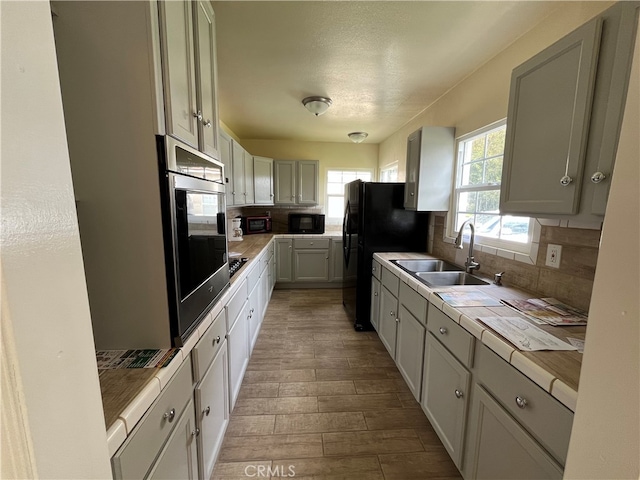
(320, 400)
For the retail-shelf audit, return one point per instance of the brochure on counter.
(525, 336)
(468, 298)
(549, 311)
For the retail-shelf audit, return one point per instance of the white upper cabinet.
(296, 182)
(207, 76)
(263, 180)
(226, 157)
(565, 108)
(239, 188)
(430, 159)
(189, 73)
(248, 179)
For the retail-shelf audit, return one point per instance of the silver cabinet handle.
(198, 115)
(207, 123)
(442, 330)
(195, 433)
(598, 177)
(170, 415)
(459, 393)
(217, 339)
(397, 320)
(566, 180)
(412, 194)
(391, 313)
(521, 402)
(375, 294)
(207, 411)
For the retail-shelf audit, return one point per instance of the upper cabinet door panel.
(308, 182)
(179, 71)
(547, 125)
(206, 64)
(285, 181)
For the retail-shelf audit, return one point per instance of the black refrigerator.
(374, 221)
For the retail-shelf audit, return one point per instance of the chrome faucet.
(470, 264)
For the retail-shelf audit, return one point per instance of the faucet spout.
(470, 264)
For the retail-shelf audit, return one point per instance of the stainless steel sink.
(444, 279)
(427, 265)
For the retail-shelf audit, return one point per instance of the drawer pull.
(375, 294)
(217, 339)
(207, 411)
(459, 393)
(397, 320)
(195, 432)
(521, 402)
(170, 415)
(391, 313)
(442, 330)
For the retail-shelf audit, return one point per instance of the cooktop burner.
(235, 265)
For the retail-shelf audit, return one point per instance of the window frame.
(491, 244)
(338, 220)
(387, 168)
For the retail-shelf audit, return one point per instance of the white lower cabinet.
(445, 396)
(212, 407)
(254, 315)
(500, 448)
(410, 350)
(388, 319)
(179, 458)
(238, 345)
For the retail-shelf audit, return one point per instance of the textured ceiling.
(381, 63)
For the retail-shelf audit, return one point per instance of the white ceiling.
(381, 63)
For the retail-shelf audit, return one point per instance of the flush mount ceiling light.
(317, 105)
(357, 137)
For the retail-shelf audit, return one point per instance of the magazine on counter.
(548, 310)
(468, 298)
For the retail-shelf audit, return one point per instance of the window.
(389, 174)
(477, 191)
(336, 180)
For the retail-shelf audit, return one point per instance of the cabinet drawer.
(547, 419)
(414, 302)
(254, 276)
(139, 451)
(235, 305)
(376, 269)
(209, 344)
(457, 340)
(390, 281)
(310, 243)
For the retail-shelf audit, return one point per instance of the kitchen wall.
(479, 100)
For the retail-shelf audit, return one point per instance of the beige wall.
(483, 96)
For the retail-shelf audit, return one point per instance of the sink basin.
(427, 265)
(444, 279)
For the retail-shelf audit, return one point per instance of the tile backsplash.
(571, 283)
(279, 215)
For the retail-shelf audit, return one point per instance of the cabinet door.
(387, 324)
(238, 347)
(179, 71)
(444, 396)
(284, 254)
(226, 157)
(239, 187)
(308, 183)
(179, 458)
(336, 261)
(272, 273)
(250, 197)
(375, 302)
(263, 180)
(499, 448)
(207, 77)
(413, 164)
(284, 181)
(311, 265)
(254, 315)
(212, 407)
(410, 350)
(547, 126)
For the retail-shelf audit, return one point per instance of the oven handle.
(184, 182)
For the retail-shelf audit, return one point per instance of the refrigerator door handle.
(346, 236)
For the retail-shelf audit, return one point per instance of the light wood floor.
(326, 402)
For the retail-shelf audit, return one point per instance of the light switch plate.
(554, 252)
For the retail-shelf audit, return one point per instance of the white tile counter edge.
(554, 386)
(131, 415)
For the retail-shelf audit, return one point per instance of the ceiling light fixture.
(357, 137)
(317, 105)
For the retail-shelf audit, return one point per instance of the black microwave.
(306, 223)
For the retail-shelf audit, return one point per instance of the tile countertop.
(129, 392)
(557, 372)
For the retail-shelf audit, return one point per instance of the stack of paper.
(523, 335)
(548, 310)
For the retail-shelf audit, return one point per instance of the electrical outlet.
(554, 253)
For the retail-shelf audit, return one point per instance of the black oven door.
(201, 271)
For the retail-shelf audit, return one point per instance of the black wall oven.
(193, 206)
